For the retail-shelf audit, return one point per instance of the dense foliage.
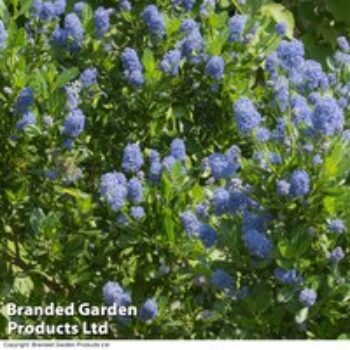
(186, 157)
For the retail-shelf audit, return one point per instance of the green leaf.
(23, 285)
(25, 6)
(3, 10)
(301, 315)
(340, 10)
(280, 14)
(148, 61)
(66, 76)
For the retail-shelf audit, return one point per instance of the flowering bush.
(185, 157)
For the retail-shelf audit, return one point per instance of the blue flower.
(301, 110)
(101, 21)
(281, 89)
(236, 26)
(283, 187)
(215, 67)
(206, 7)
(222, 280)
(135, 190)
(288, 276)
(74, 123)
(59, 36)
(192, 44)
(132, 158)
(168, 162)
(79, 8)
(221, 166)
(262, 135)
(154, 156)
(125, 5)
(327, 117)
(190, 222)
(113, 189)
(274, 158)
(187, 4)
(336, 226)
(3, 35)
(135, 78)
(281, 29)
(137, 212)
(238, 201)
(149, 310)
(24, 100)
(74, 29)
(207, 235)
(88, 77)
(343, 44)
(68, 143)
(257, 243)
(299, 183)
(59, 7)
(291, 54)
(27, 119)
(317, 159)
(51, 174)
(271, 64)
(44, 10)
(308, 297)
(155, 171)
(247, 117)
(202, 210)
(154, 20)
(342, 58)
(72, 94)
(189, 25)
(221, 200)
(110, 180)
(170, 63)
(178, 149)
(337, 255)
(313, 76)
(114, 294)
(132, 67)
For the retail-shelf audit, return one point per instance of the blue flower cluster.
(114, 294)
(132, 158)
(308, 297)
(223, 166)
(215, 67)
(191, 45)
(101, 20)
(88, 77)
(71, 36)
(237, 26)
(195, 228)
(247, 117)
(118, 191)
(149, 311)
(187, 4)
(337, 255)
(257, 243)
(22, 105)
(170, 63)
(291, 277)
(154, 20)
(132, 67)
(49, 9)
(222, 280)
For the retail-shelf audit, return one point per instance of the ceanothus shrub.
(185, 157)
